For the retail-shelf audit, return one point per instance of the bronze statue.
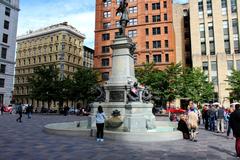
(124, 17)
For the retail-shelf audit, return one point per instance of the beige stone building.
(181, 27)
(215, 40)
(60, 45)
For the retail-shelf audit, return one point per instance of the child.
(100, 118)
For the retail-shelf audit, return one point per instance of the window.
(234, 6)
(235, 26)
(146, 31)
(157, 58)
(212, 47)
(227, 46)
(2, 82)
(132, 21)
(166, 43)
(238, 65)
(155, 6)
(39, 59)
(225, 28)
(164, 4)
(209, 8)
(166, 57)
(224, 7)
(200, 9)
(7, 11)
(5, 38)
(205, 66)
(105, 49)
(117, 24)
(156, 44)
(147, 58)
(133, 9)
(147, 45)
(236, 43)
(229, 65)
(210, 29)
(200, 6)
(105, 76)
(132, 33)
(166, 30)
(6, 25)
(105, 62)
(107, 14)
(165, 17)
(202, 30)
(106, 36)
(146, 19)
(3, 68)
(156, 18)
(203, 48)
(107, 3)
(4, 53)
(156, 30)
(213, 65)
(106, 25)
(146, 7)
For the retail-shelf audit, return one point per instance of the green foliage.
(234, 82)
(43, 83)
(194, 85)
(175, 82)
(46, 85)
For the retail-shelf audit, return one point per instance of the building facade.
(60, 45)
(8, 30)
(181, 23)
(88, 57)
(150, 26)
(215, 40)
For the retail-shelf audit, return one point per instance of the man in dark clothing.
(19, 110)
(235, 125)
(212, 117)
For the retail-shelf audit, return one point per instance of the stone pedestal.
(135, 116)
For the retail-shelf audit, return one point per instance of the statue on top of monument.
(124, 17)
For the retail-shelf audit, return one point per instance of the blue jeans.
(29, 115)
(228, 129)
(212, 124)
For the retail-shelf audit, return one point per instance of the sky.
(36, 14)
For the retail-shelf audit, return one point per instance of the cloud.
(79, 15)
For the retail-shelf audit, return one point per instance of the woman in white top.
(100, 119)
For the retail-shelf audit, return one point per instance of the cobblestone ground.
(26, 141)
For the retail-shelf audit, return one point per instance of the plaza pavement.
(26, 141)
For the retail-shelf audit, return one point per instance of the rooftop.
(51, 29)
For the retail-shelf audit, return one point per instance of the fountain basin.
(159, 134)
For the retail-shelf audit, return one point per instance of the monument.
(125, 102)
(122, 93)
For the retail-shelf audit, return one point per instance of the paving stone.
(27, 141)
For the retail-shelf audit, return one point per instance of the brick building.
(150, 26)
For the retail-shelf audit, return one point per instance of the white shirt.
(100, 117)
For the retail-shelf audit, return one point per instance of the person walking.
(100, 119)
(235, 125)
(19, 111)
(220, 119)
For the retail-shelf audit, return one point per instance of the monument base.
(135, 116)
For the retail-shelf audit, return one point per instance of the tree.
(194, 85)
(234, 82)
(84, 83)
(43, 83)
